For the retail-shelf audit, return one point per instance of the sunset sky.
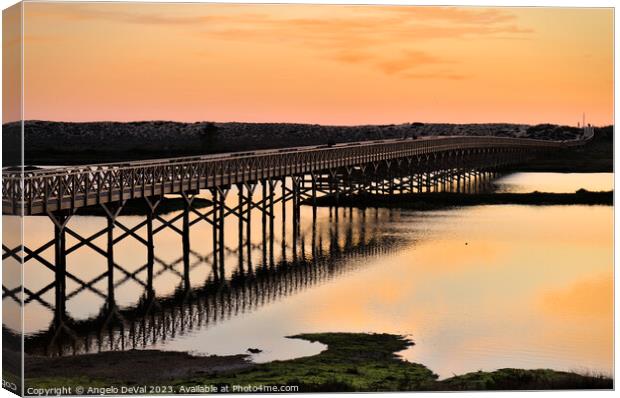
(317, 64)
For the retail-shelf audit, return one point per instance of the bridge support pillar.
(60, 260)
(272, 191)
(218, 195)
(296, 190)
(111, 216)
(283, 202)
(150, 247)
(240, 214)
(110, 259)
(220, 222)
(250, 187)
(264, 220)
(214, 237)
(245, 193)
(185, 239)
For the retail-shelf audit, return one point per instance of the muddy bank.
(440, 200)
(133, 367)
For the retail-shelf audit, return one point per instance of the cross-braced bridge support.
(117, 327)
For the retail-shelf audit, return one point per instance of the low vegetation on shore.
(65, 143)
(596, 156)
(351, 362)
(440, 200)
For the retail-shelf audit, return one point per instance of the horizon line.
(289, 122)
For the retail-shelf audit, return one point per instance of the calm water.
(476, 288)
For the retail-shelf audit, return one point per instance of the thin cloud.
(352, 56)
(401, 64)
(408, 60)
(462, 15)
(360, 38)
(435, 75)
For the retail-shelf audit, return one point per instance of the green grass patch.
(520, 379)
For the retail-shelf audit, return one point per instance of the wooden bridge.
(71, 188)
(298, 175)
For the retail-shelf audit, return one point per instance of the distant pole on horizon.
(583, 121)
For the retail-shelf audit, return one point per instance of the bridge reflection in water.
(273, 254)
(262, 272)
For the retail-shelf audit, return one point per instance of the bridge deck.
(41, 191)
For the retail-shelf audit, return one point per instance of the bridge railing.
(76, 186)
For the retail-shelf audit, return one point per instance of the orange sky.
(317, 64)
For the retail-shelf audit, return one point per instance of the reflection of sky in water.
(476, 288)
(555, 182)
(11, 271)
(514, 296)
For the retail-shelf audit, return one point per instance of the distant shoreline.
(58, 143)
(441, 200)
